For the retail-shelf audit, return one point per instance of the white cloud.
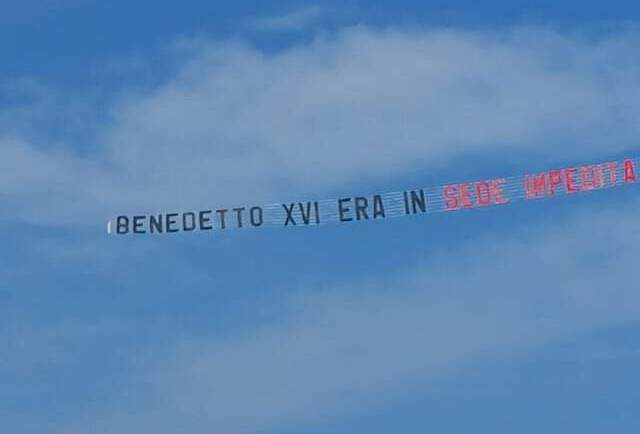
(50, 186)
(240, 125)
(363, 344)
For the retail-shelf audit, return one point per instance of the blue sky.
(515, 319)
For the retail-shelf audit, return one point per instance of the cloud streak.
(237, 124)
(297, 19)
(364, 343)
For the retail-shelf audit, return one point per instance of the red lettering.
(629, 171)
(528, 186)
(569, 181)
(588, 177)
(613, 172)
(599, 176)
(465, 196)
(470, 195)
(497, 190)
(540, 184)
(451, 197)
(483, 193)
(555, 179)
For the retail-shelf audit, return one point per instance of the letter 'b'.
(122, 225)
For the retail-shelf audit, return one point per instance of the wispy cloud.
(297, 19)
(350, 107)
(371, 100)
(363, 343)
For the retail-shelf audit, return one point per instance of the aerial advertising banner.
(351, 209)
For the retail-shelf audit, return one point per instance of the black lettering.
(418, 201)
(122, 225)
(191, 226)
(221, 213)
(378, 207)
(256, 216)
(170, 222)
(342, 209)
(138, 224)
(289, 210)
(315, 205)
(204, 219)
(361, 208)
(305, 215)
(238, 212)
(155, 224)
